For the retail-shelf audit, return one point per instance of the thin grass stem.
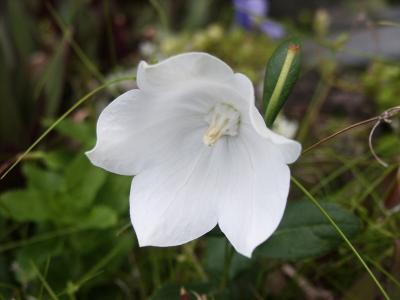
(384, 272)
(63, 116)
(343, 236)
(79, 52)
(44, 282)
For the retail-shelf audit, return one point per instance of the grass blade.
(44, 282)
(344, 237)
(63, 116)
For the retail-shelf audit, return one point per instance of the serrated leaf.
(280, 76)
(305, 232)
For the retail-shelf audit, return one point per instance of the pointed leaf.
(24, 205)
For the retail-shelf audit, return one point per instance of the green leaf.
(83, 132)
(38, 253)
(100, 217)
(56, 160)
(281, 74)
(83, 182)
(41, 179)
(24, 205)
(305, 232)
(215, 258)
(115, 193)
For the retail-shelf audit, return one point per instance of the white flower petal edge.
(290, 149)
(200, 151)
(129, 138)
(252, 210)
(178, 70)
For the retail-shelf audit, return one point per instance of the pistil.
(223, 119)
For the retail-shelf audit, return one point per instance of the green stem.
(46, 270)
(44, 282)
(188, 249)
(78, 51)
(38, 239)
(227, 265)
(383, 271)
(314, 107)
(96, 269)
(343, 236)
(161, 14)
(63, 116)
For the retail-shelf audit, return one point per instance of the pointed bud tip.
(294, 48)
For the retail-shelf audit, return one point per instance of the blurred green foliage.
(67, 207)
(245, 52)
(64, 224)
(383, 83)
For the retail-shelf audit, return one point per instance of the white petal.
(259, 187)
(137, 130)
(290, 149)
(176, 202)
(188, 68)
(243, 85)
(179, 69)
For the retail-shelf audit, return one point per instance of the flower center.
(223, 119)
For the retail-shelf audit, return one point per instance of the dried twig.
(384, 117)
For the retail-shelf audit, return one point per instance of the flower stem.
(63, 116)
(341, 233)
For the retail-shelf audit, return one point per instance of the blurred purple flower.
(250, 14)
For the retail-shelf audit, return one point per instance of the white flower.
(200, 152)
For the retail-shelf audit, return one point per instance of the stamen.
(223, 119)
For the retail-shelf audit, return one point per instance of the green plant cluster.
(382, 81)
(246, 52)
